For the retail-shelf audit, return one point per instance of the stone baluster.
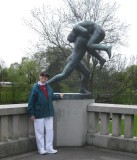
(128, 129)
(31, 128)
(4, 134)
(116, 124)
(104, 123)
(93, 122)
(10, 126)
(15, 127)
(24, 125)
(0, 128)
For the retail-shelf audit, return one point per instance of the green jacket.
(38, 105)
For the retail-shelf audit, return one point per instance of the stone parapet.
(76, 122)
(101, 115)
(70, 125)
(16, 130)
(71, 122)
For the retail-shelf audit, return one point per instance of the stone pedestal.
(71, 120)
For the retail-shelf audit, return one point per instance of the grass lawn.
(122, 126)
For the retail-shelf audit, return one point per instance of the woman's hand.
(62, 95)
(32, 118)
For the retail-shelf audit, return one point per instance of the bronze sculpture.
(86, 36)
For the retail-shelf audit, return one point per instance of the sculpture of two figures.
(86, 36)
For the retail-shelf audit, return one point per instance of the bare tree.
(102, 12)
(50, 27)
(53, 25)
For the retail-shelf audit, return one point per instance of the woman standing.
(41, 111)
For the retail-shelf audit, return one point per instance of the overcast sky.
(127, 12)
(15, 37)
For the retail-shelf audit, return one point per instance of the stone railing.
(70, 125)
(16, 130)
(76, 122)
(99, 118)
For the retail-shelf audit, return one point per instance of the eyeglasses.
(44, 75)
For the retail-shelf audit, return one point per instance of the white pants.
(40, 125)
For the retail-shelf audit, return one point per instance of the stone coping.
(20, 105)
(13, 109)
(75, 96)
(112, 108)
(10, 109)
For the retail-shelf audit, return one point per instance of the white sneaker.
(53, 151)
(42, 151)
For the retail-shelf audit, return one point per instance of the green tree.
(132, 73)
(26, 72)
(13, 72)
(111, 81)
(29, 70)
(3, 71)
(41, 60)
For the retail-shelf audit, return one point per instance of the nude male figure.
(85, 39)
